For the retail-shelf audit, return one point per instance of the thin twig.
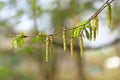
(89, 19)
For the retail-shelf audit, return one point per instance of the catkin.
(108, 14)
(64, 39)
(47, 48)
(95, 32)
(81, 45)
(95, 24)
(71, 47)
(51, 46)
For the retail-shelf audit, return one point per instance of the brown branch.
(89, 19)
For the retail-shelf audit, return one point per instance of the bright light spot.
(44, 23)
(113, 62)
(25, 24)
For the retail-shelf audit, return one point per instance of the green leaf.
(14, 43)
(72, 32)
(21, 34)
(20, 42)
(84, 23)
(87, 33)
(77, 32)
(36, 38)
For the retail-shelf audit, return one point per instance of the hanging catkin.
(47, 48)
(64, 39)
(94, 26)
(81, 45)
(71, 47)
(51, 45)
(95, 32)
(95, 23)
(108, 14)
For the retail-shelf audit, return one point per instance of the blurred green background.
(101, 58)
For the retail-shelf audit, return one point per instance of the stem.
(89, 19)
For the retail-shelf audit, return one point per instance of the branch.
(89, 19)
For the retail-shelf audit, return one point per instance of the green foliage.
(87, 33)
(79, 27)
(40, 37)
(18, 41)
(90, 27)
(4, 72)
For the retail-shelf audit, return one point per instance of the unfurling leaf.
(87, 33)
(71, 47)
(108, 14)
(36, 38)
(18, 41)
(77, 32)
(81, 45)
(79, 27)
(64, 39)
(90, 35)
(47, 48)
(84, 23)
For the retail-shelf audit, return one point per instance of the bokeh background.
(101, 58)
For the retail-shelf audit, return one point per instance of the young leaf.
(13, 43)
(83, 23)
(20, 39)
(20, 42)
(108, 14)
(77, 32)
(36, 38)
(90, 35)
(72, 32)
(87, 33)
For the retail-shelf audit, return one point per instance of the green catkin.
(64, 39)
(95, 32)
(51, 45)
(97, 24)
(81, 45)
(47, 48)
(108, 14)
(71, 47)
